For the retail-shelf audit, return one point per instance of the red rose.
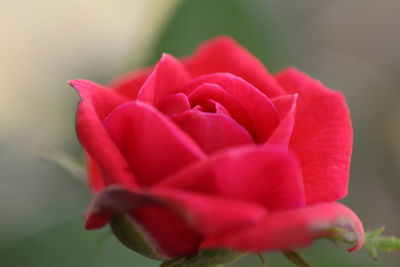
(212, 151)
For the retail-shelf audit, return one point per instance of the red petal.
(292, 80)
(177, 220)
(209, 93)
(269, 176)
(259, 111)
(211, 131)
(153, 146)
(220, 109)
(129, 84)
(322, 136)
(168, 76)
(174, 104)
(97, 102)
(223, 54)
(286, 107)
(291, 229)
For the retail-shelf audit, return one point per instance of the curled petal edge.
(208, 215)
(295, 228)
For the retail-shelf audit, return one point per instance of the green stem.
(296, 258)
(262, 259)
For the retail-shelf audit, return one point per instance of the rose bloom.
(213, 152)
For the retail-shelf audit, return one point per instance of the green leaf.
(375, 242)
(205, 258)
(296, 258)
(249, 23)
(68, 163)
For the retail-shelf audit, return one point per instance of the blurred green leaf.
(66, 162)
(68, 244)
(249, 22)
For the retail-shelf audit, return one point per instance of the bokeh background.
(352, 46)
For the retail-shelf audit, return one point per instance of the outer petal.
(269, 176)
(322, 136)
(94, 174)
(97, 102)
(173, 235)
(153, 146)
(168, 76)
(286, 107)
(211, 131)
(292, 229)
(211, 215)
(223, 54)
(129, 84)
(260, 111)
(178, 221)
(99, 97)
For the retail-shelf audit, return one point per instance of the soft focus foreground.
(47, 43)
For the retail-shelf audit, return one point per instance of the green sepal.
(131, 234)
(205, 258)
(375, 242)
(338, 234)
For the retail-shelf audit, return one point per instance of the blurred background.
(352, 46)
